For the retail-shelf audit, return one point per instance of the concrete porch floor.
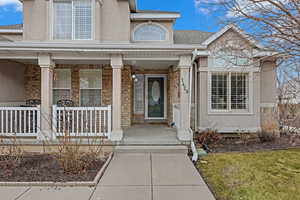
(150, 134)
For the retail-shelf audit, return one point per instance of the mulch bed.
(253, 145)
(45, 167)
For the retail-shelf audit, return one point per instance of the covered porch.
(123, 111)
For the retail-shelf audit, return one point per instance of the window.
(229, 91)
(61, 85)
(72, 19)
(150, 32)
(90, 87)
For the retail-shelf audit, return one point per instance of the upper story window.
(150, 32)
(72, 19)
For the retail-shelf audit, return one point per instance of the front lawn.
(271, 175)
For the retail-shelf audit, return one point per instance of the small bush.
(11, 154)
(209, 137)
(265, 136)
(73, 158)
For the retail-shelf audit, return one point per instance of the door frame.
(164, 76)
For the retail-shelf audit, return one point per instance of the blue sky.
(193, 15)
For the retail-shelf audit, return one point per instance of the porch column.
(117, 65)
(184, 66)
(47, 65)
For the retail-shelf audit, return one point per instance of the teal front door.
(156, 97)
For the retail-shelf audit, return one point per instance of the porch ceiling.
(151, 64)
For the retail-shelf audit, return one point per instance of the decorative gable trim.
(234, 28)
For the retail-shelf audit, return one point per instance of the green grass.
(272, 175)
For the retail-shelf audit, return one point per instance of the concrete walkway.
(147, 134)
(130, 176)
(151, 176)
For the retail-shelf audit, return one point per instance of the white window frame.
(93, 22)
(250, 72)
(100, 88)
(70, 85)
(151, 23)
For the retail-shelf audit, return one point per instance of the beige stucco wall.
(112, 20)
(268, 82)
(115, 21)
(35, 20)
(11, 83)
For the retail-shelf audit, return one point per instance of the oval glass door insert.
(155, 91)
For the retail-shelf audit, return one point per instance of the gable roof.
(218, 34)
(12, 27)
(191, 37)
(4, 39)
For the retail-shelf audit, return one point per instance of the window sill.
(230, 113)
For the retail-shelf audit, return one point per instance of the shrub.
(11, 154)
(73, 158)
(209, 137)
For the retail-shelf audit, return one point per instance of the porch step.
(178, 149)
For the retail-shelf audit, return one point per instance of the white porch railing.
(176, 115)
(20, 121)
(82, 121)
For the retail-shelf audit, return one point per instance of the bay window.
(61, 85)
(90, 87)
(229, 91)
(72, 19)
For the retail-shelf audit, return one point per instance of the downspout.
(193, 147)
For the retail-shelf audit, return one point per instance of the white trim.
(150, 23)
(268, 105)
(11, 31)
(12, 104)
(142, 16)
(147, 76)
(230, 111)
(229, 69)
(224, 30)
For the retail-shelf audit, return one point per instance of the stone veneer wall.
(33, 86)
(173, 91)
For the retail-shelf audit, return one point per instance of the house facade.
(101, 66)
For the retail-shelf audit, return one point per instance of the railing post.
(54, 122)
(38, 120)
(109, 121)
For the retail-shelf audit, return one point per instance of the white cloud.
(16, 3)
(208, 6)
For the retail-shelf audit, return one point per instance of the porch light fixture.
(134, 78)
